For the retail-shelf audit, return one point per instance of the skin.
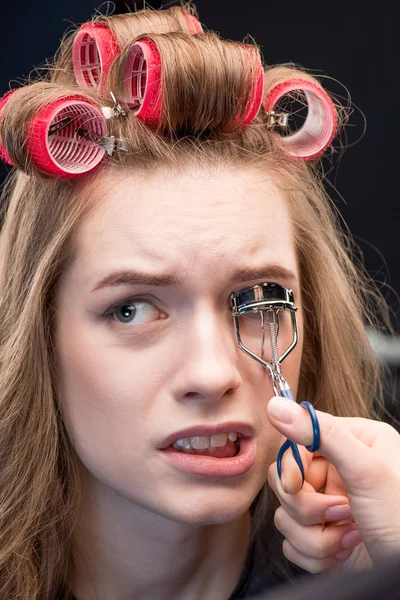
(148, 530)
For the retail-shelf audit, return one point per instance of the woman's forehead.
(197, 216)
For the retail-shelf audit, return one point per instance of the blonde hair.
(39, 468)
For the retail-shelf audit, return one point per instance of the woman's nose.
(209, 355)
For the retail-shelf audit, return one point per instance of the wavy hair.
(206, 85)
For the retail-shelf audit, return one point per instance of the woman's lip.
(209, 466)
(245, 429)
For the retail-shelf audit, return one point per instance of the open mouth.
(222, 445)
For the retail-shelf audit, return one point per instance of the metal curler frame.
(319, 129)
(276, 298)
(252, 299)
(93, 51)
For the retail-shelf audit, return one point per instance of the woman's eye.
(133, 312)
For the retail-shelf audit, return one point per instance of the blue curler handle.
(316, 431)
(286, 392)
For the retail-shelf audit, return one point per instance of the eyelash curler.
(268, 300)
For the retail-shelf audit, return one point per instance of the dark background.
(353, 43)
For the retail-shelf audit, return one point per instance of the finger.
(307, 507)
(339, 442)
(313, 565)
(317, 473)
(316, 541)
(292, 480)
(334, 483)
(324, 477)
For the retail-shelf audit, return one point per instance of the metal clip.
(59, 125)
(277, 119)
(110, 144)
(114, 111)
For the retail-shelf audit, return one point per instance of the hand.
(355, 521)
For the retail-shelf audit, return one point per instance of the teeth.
(217, 441)
(183, 443)
(202, 442)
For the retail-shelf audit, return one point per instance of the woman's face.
(146, 340)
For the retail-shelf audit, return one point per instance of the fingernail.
(282, 410)
(351, 538)
(283, 483)
(338, 513)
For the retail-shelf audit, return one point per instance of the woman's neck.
(125, 552)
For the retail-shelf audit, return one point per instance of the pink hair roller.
(56, 140)
(142, 77)
(255, 100)
(193, 23)
(3, 101)
(94, 49)
(312, 139)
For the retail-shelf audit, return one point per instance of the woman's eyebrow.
(264, 273)
(129, 277)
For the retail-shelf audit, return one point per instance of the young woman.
(153, 179)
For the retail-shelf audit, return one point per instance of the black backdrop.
(353, 43)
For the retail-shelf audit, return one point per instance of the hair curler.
(94, 49)
(60, 137)
(320, 126)
(143, 89)
(255, 98)
(193, 23)
(3, 101)
(142, 77)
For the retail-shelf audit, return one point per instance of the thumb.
(339, 441)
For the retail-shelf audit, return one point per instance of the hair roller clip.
(3, 101)
(142, 77)
(312, 139)
(93, 51)
(193, 23)
(67, 138)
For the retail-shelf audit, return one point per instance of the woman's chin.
(208, 509)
